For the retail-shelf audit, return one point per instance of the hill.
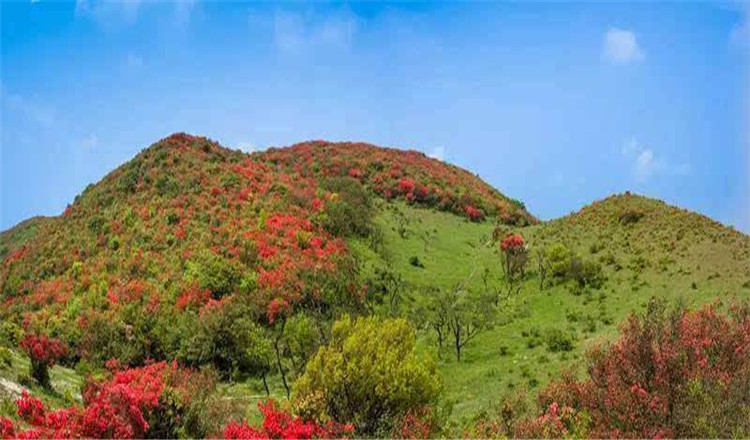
(188, 224)
(643, 247)
(189, 246)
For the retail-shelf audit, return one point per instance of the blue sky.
(555, 104)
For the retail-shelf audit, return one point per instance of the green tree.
(368, 375)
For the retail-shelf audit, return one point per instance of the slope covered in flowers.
(188, 226)
(408, 175)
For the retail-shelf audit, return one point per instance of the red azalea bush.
(512, 243)
(473, 213)
(44, 352)
(515, 257)
(278, 424)
(415, 424)
(679, 375)
(134, 403)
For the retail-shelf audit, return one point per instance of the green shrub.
(349, 213)
(368, 375)
(559, 257)
(630, 216)
(215, 273)
(6, 358)
(414, 261)
(558, 340)
(10, 334)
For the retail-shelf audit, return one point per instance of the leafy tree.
(384, 291)
(515, 256)
(368, 375)
(228, 338)
(468, 314)
(43, 352)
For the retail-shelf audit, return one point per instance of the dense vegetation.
(369, 291)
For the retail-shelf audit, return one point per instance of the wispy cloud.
(116, 13)
(108, 13)
(302, 33)
(644, 163)
(30, 107)
(621, 47)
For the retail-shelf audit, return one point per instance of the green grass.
(453, 250)
(66, 385)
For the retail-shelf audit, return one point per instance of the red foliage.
(473, 213)
(643, 386)
(511, 243)
(43, 349)
(414, 425)
(356, 173)
(278, 424)
(117, 408)
(6, 429)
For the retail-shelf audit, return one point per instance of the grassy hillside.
(189, 248)
(668, 252)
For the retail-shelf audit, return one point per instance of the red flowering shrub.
(44, 352)
(684, 375)
(134, 403)
(473, 213)
(7, 431)
(415, 424)
(278, 424)
(512, 243)
(515, 257)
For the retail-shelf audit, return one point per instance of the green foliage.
(559, 257)
(219, 275)
(227, 338)
(368, 375)
(558, 340)
(349, 213)
(10, 334)
(630, 216)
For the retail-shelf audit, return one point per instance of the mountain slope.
(188, 224)
(140, 262)
(645, 248)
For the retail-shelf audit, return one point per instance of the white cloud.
(437, 153)
(621, 47)
(298, 33)
(644, 163)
